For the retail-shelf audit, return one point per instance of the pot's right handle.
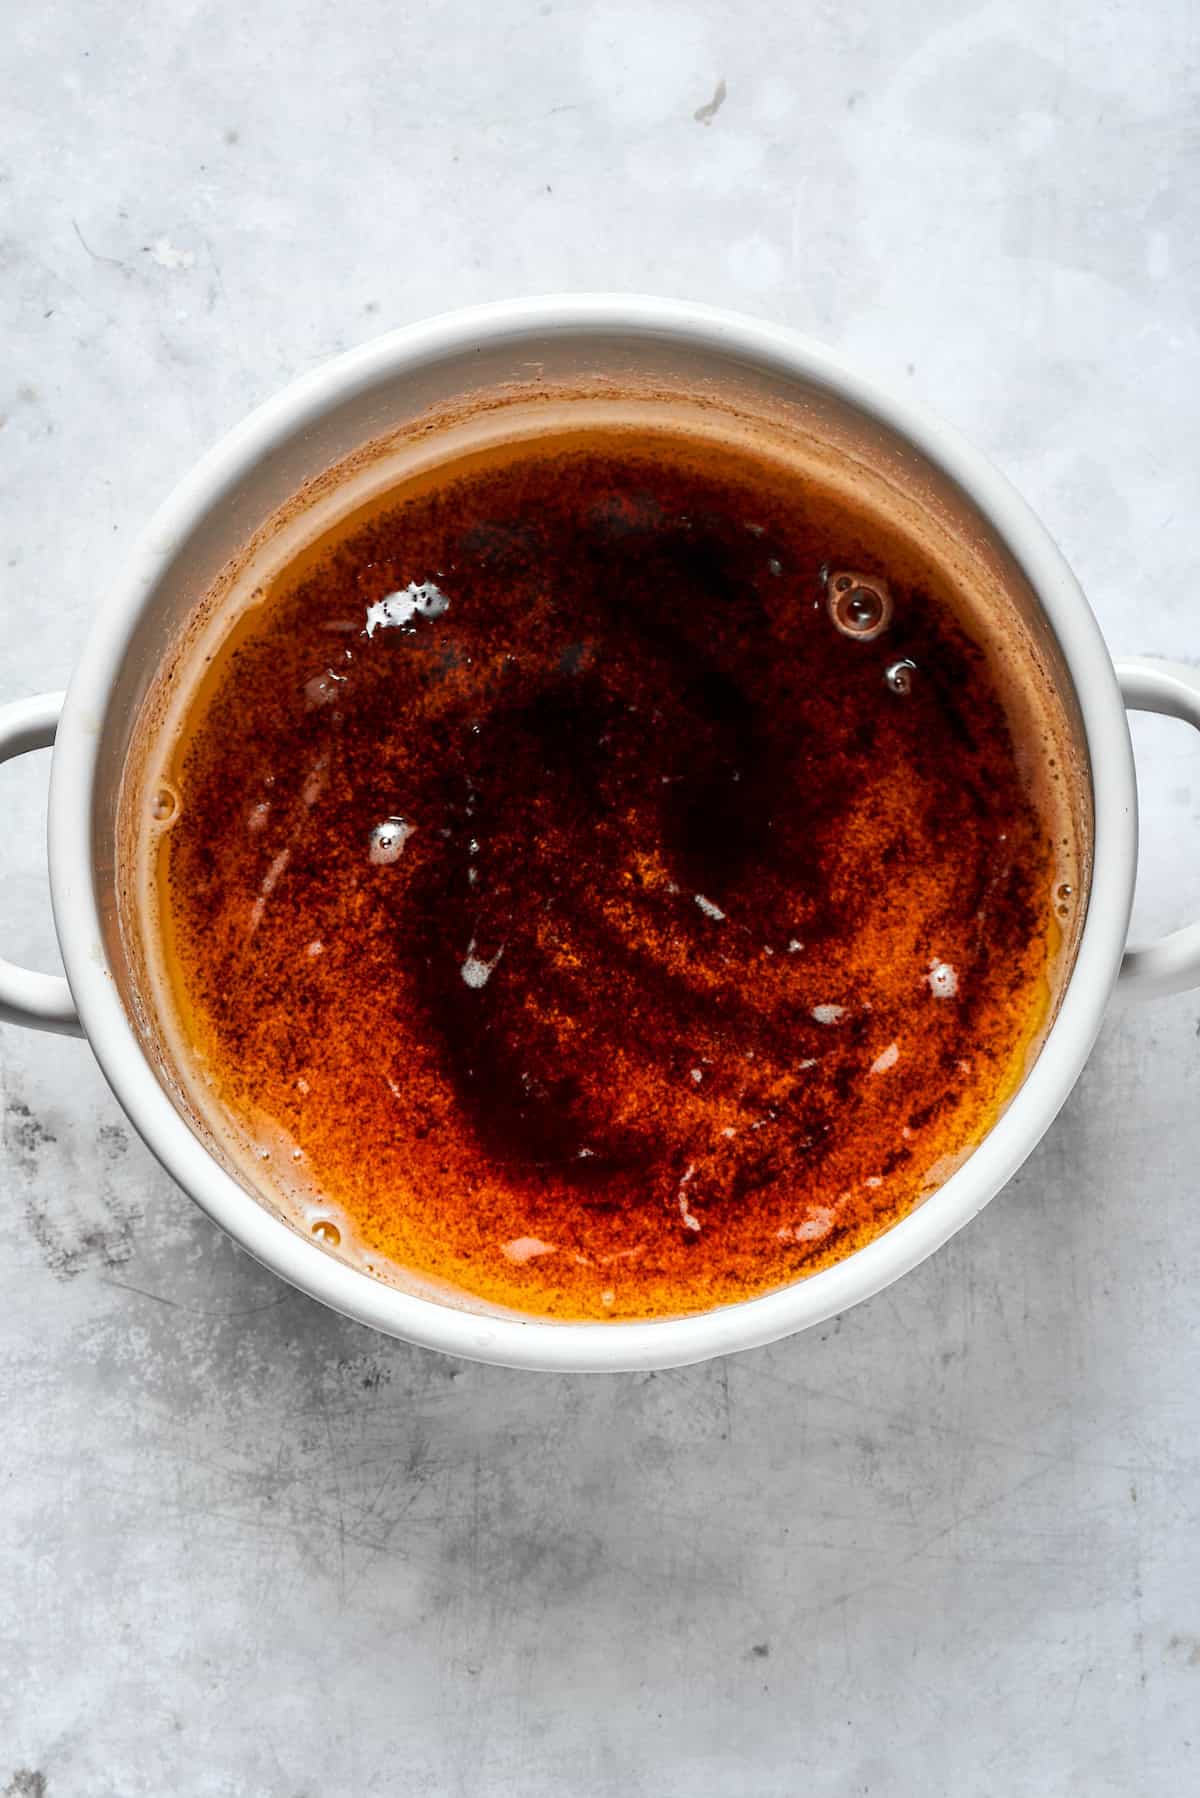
(43, 1001)
(1172, 964)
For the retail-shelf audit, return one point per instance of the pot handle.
(1172, 964)
(43, 1001)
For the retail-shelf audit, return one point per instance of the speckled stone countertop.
(946, 1545)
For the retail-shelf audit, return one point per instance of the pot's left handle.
(43, 1001)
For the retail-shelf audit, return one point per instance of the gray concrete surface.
(947, 1545)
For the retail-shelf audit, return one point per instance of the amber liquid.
(573, 914)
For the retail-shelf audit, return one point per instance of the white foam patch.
(829, 1014)
(943, 981)
(269, 883)
(419, 599)
(888, 1059)
(314, 785)
(477, 972)
(817, 1224)
(388, 840)
(322, 689)
(709, 909)
(691, 1221)
(526, 1248)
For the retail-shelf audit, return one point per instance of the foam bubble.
(860, 605)
(165, 807)
(943, 980)
(388, 840)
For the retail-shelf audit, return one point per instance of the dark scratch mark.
(199, 1310)
(704, 115)
(340, 1499)
(113, 261)
(253, 1310)
(898, 1419)
(124, 1286)
(922, 1548)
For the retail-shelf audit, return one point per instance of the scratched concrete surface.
(947, 1545)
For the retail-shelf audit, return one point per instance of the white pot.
(240, 482)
